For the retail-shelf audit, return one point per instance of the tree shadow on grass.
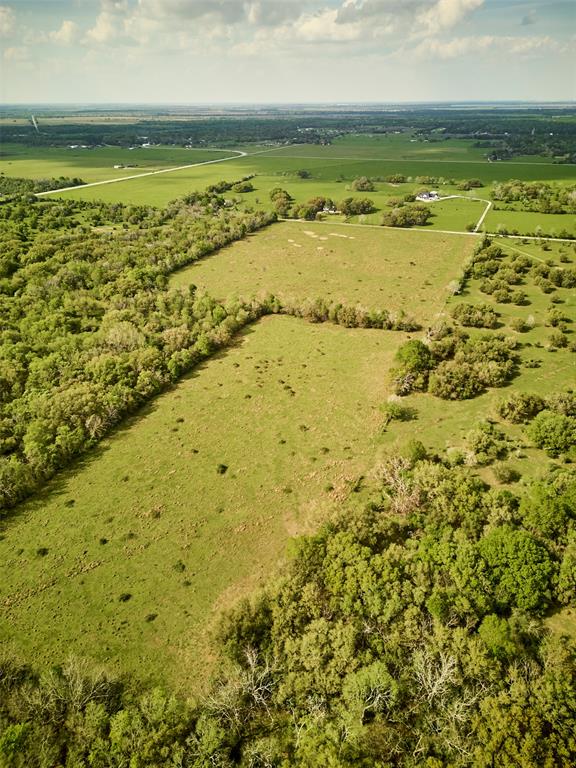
(58, 486)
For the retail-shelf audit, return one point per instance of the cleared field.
(524, 222)
(128, 557)
(97, 164)
(401, 146)
(378, 268)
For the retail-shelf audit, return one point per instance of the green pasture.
(390, 146)
(128, 557)
(96, 164)
(377, 268)
(524, 222)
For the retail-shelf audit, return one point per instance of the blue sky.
(189, 51)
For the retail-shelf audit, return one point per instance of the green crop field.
(97, 164)
(291, 410)
(378, 268)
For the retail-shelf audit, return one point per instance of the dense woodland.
(411, 630)
(503, 133)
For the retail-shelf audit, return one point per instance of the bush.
(454, 380)
(397, 412)
(506, 474)
(353, 206)
(475, 315)
(520, 408)
(487, 443)
(518, 324)
(553, 432)
(557, 340)
(363, 184)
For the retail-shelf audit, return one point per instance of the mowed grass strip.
(128, 557)
(377, 268)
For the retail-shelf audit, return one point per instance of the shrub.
(363, 184)
(553, 432)
(397, 412)
(519, 408)
(487, 443)
(506, 474)
(454, 380)
(518, 324)
(475, 315)
(557, 340)
(563, 402)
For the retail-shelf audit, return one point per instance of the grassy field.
(443, 425)
(378, 268)
(525, 222)
(145, 541)
(97, 164)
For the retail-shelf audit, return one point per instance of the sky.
(286, 51)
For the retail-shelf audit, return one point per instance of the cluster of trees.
(407, 216)
(475, 315)
(363, 184)
(89, 330)
(407, 632)
(537, 196)
(452, 365)
(468, 184)
(502, 274)
(16, 186)
(281, 200)
(350, 206)
(550, 422)
(243, 185)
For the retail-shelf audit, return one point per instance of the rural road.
(434, 231)
(142, 175)
(238, 154)
(465, 197)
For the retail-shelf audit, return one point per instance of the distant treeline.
(504, 133)
(14, 186)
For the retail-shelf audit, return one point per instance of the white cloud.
(324, 27)
(105, 30)
(16, 54)
(446, 14)
(66, 35)
(6, 21)
(466, 46)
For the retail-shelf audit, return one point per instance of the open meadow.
(127, 557)
(97, 163)
(376, 268)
